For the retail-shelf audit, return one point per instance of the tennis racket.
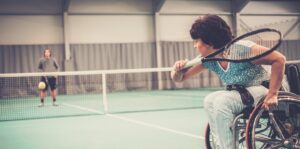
(267, 40)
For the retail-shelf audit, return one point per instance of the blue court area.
(144, 119)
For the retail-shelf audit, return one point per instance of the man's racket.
(267, 40)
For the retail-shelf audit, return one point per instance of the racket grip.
(195, 61)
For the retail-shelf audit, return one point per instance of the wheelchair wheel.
(210, 142)
(277, 128)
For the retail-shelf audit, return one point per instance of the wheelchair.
(276, 128)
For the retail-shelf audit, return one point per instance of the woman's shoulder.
(210, 64)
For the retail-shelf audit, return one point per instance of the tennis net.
(95, 92)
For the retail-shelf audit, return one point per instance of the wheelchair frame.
(244, 126)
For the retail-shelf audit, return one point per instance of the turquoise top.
(244, 73)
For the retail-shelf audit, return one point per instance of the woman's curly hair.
(212, 30)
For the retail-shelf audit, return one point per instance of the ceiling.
(145, 7)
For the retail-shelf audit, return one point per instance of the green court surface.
(136, 120)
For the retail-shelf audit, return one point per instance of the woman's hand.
(180, 64)
(270, 101)
(177, 74)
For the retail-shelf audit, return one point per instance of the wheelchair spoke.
(269, 143)
(277, 125)
(266, 139)
(264, 126)
(275, 146)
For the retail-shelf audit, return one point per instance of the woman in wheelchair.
(243, 80)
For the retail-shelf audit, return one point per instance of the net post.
(105, 103)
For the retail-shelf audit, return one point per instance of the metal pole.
(105, 103)
(66, 36)
(158, 48)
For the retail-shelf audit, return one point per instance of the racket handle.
(195, 61)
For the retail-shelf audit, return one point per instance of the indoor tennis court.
(125, 74)
(77, 125)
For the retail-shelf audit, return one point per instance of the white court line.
(138, 122)
(82, 108)
(155, 126)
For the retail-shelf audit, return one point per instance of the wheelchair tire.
(208, 140)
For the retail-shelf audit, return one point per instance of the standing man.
(48, 64)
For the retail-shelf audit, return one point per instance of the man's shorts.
(49, 81)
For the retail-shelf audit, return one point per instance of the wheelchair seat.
(292, 72)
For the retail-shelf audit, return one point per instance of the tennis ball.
(42, 85)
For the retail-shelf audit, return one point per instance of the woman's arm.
(179, 76)
(277, 62)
